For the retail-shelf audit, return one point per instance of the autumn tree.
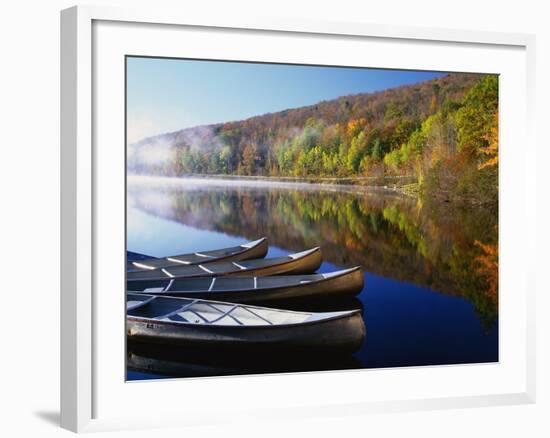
(490, 152)
(248, 158)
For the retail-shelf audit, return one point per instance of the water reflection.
(162, 361)
(445, 248)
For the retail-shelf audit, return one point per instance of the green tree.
(225, 158)
(475, 120)
(392, 112)
(377, 150)
(356, 152)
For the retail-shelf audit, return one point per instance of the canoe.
(251, 250)
(215, 324)
(305, 262)
(258, 290)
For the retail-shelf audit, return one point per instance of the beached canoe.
(213, 324)
(246, 251)
(305, 262)
(258, 290)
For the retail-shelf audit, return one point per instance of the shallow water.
(431, 277)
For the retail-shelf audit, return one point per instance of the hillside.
(443, 132)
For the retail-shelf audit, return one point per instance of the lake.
(431, 270)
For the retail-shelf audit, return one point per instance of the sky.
(165, 95)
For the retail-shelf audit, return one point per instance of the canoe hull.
(342, 286)
(305, 264)
(344, 333)
(258, 251)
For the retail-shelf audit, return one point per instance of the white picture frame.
(91, 389)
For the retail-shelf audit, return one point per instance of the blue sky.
(165, 95)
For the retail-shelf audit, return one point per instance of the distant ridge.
(368, 104)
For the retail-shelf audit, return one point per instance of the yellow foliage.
(492, 150)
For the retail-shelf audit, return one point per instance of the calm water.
(431, 276)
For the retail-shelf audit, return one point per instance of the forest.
(442, 134)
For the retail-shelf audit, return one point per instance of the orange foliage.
(488, 266)
(492, 150)
(355, 126)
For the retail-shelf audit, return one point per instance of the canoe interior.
(189, 311)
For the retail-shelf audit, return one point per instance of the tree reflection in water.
(448, 248)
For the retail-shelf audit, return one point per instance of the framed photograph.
(254, 209)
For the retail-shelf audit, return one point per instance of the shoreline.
(389, 184)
